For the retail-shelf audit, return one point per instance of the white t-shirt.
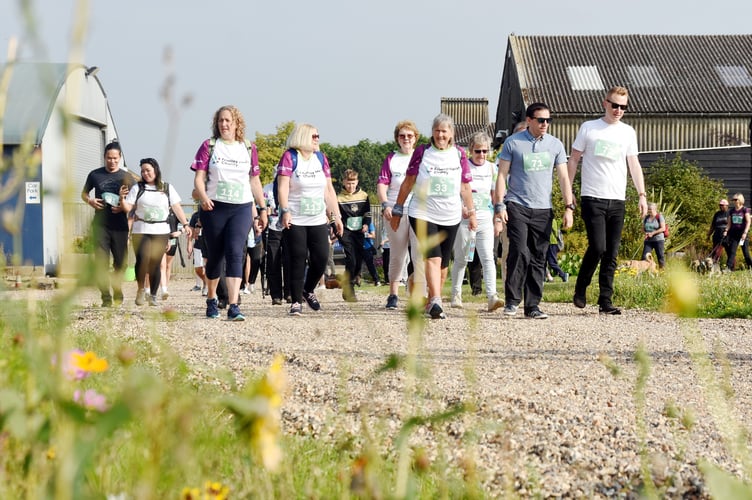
(308, 185)
(483, 183)
(151, 209)
(436, 194)
(393, 175)
(605, 148)
(229, 173)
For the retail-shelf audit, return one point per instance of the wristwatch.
(571, 206)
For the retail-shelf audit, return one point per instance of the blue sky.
(351, 68)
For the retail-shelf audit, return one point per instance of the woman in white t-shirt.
(151, 200)
(227, 182)
(483, 183)
(307, 206)
(439, 177)
(390, 180)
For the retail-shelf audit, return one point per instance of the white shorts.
(198, 258)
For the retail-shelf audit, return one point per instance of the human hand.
(387, 214)
(207, 205)
(473, 222)
(286, 220)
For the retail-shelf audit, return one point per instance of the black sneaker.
(579, 301)
(222, 303)
(536, 314)
(312, 301)
(277, 302)
(234, 314)
(391, 302)
(609, 309)
(296, 309)
(211, 308)
(436, 312)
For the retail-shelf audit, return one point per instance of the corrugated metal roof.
(31, 97)
(671, 74)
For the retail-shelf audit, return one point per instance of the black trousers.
(276, 265)
(352, 242)
(307, 245)
(529, 231)
(109, 241)
(604, 221)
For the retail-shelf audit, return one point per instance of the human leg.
(238, 226)
(296, 244)
(460, 260)
(518, 257)
(538, 236)
(274, 263)
(318, 253)
(484, 241)
(614, 226)
(594, 217)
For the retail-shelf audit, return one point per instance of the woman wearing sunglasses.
(482, 240)
(737, 231)
(390, 180)
(439, 177)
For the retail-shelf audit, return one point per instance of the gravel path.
(548, 416)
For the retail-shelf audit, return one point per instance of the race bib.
(111, 199)
(737, 219)
(481, 201)
(441, 187)
(536, 162)
(311, 206)
(607, 149)
(355, 223)
(155, 214)
(229, 192)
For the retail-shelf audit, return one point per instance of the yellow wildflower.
(190, 494)
(88, 362)
(215, 490)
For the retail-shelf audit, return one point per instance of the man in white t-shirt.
(608, 149)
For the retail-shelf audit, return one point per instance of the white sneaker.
(253, 287)
(245, 290)
(457, 301)
(494, 303)
(204, 292)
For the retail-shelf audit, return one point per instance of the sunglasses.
(622, 107)
(315, 136)
(543, 120)
(480, 151)
(406, 136)
(734, 199)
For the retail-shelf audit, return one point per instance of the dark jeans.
(604, 221)
(732, 243)
(108, 242)
(475, 275)
(529, 231)
(276, 265)
(149, 249)
(658, 246)
(368, 255)
(311, 244)
(553, 261)
(385, 253)
(352, 242)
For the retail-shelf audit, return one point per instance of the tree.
(270, 149)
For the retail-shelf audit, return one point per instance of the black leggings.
(149, 249)
(306, 244)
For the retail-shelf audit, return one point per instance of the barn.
(688, 93)
(55, 123)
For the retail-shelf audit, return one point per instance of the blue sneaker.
(212, 311)
(233, 313)
(391, 302)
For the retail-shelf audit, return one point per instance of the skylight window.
(645, 76)
(734, 76)
(584, 78)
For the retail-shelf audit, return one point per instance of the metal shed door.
(87, 143)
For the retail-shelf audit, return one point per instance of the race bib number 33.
(441, 187)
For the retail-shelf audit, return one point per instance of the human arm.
(635, 170)
(258, 195)
(500, 209)
(397, 210)
(332, 207)
(386, 210)
(572, 163)
(177, 208)
(747, 219)
(566, 193)
(466, 193)
(199, 184)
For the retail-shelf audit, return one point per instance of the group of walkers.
(438, 201)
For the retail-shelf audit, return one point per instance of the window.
(584, 78)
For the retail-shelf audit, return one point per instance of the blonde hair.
(350, 175)
(237, 117)
(739, 197)
(408, 124)
(301, 137)
(617, 90)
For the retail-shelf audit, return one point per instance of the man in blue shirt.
(527, 160)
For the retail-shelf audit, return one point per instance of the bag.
(560, 240)
(658, 216)
(171, 219)
(294, 156)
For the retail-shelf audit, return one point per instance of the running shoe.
(140, 297)
(312, 301)
(296, 309)
(211, 308)
(234, 314)
(391, 302)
